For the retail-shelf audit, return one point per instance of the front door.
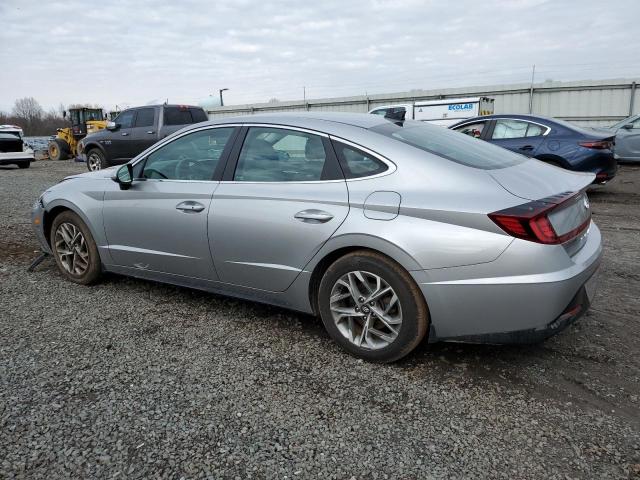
(143, 133)
(160, 223)
(518, 136)
(283, 201)
(117, 141)
(628, 141)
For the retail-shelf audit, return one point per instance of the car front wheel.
(96, 160)
(74, 249)
(372, 307)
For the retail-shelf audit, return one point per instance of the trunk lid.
(534, 180)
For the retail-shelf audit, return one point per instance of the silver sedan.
(389, 231)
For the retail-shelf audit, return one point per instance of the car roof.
(362, 120)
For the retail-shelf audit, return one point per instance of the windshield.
(452, 145)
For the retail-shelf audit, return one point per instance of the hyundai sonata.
(389, 231)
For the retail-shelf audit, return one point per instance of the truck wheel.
(96, 160)
(24, 165)
(58, 149)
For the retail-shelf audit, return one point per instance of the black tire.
(24, 165)
(58, 149)
(414, 311)
(94, 268)
(96, 160)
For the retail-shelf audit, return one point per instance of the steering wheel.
(150, 171)
(184, 170)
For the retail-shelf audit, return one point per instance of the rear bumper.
(13, 158)
(576, 308)
(494, 303)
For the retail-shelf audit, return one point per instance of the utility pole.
(220, 91)
(304, 94)
(533, 74)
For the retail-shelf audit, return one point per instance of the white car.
(13, 150)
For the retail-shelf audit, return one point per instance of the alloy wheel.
(71, 248)
(94, 161)
(366, 310)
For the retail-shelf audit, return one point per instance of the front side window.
(356, 163)
(125, 119)
(191, 157)
(380, 111)
(280, 155)
(472, 129)
(145, 117)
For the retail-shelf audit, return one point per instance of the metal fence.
(589, 102)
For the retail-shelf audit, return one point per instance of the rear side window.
(451, 145)
(356, 164)
(198, 115)
(280, 155)
(145, 117)
(183, 115)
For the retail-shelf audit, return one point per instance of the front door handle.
(151, 132)
(313, 216)
(190, 207)
(124, 134)
(527, 147)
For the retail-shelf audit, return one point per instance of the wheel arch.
(340, 246)
(94, 145)
(55, 208)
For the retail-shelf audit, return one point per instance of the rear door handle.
(313, 216)
(151, 132)
(124, 134)
(526, 147)
(190, 206)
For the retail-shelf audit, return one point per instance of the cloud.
(130, 52)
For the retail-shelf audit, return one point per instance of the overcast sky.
(136, 52)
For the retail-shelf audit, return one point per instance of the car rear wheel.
(372, 307)
(74, 249)
(96, 160)
(24, 165)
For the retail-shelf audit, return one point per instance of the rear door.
(519, 136)
(280, 200)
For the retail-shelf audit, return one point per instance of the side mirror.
(112, 126)
(124, 176)
(628, 126)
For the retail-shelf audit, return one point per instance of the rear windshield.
(9, 136)
(183, 115)
(452, 145)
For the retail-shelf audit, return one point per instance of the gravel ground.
(133, 379)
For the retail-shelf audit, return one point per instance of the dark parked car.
(548, 139)
(135, 130)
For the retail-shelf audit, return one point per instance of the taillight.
(552, 220)
(597, 144)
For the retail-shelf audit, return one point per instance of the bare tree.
(28, 109)
(274, 100)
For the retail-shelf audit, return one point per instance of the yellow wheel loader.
(84, 121)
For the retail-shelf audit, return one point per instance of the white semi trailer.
(440, 112)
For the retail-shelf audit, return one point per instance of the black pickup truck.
(133, 131)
